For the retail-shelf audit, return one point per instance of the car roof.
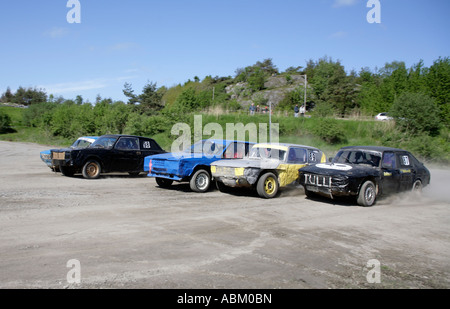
(283, 146)
(225, 141)
(125, 135)
(372, 148)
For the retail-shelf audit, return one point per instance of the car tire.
(67, 171)
(200, 181)
(92, 169)
(164, 183)
(367, 194)
(267, 186)
(417, 187)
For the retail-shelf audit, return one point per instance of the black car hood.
(330, 169)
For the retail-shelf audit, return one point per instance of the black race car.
(365, 172)
(109, 153)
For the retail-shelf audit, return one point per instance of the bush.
(417, 113)
(5, 122)
(330, 130)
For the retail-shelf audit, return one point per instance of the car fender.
(288, 173)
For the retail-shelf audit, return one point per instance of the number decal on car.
(405, 160)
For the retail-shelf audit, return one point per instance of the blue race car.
(193, 165)
(82, 142)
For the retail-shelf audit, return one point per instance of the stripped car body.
(82, 142)
(193, 164)
(365, 172)
(280, 161)
(109, 153)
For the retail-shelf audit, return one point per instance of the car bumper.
(166, 176)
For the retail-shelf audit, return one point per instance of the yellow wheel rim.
(270, 185)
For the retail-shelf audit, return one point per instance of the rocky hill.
(276, 88)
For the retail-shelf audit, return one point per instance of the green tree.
(438, 84)
(150, 100)
(29, 96)
(186, 102)
(7, 96)
(416, 113)
(256, 80)
(5, 122)
(331, 84)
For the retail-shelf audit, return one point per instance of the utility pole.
(306, 83)
(270, 121)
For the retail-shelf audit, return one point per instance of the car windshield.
(267, 153)
(358, 157)
(208, 148)
(104, 142)
(81, 143)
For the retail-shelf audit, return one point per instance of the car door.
(390, 173)
(297, 158)
(126, 155)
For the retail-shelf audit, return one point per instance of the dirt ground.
(129, 233)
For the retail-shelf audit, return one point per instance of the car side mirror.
(330, 160)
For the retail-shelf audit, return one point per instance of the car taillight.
(150, 166)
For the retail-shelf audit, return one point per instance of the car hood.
(181, 156)
(248, 163)
(329, 169)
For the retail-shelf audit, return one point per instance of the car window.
(314, 156)
(236, 151)
(298, 156)
(128, 143)
(267, 153)
(404, 160)
(104, 142)
(208, 148)
(83, 144)
(389, 160)
(148, 144)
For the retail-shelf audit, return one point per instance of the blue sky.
(171, 41)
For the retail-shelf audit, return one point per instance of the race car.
(365, 172)
(269, 167)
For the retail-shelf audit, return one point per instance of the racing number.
(147, 145)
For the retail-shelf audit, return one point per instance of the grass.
(292, 130)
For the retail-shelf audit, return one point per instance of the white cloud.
(93, 84)
(338, 35)
(341, 3)
(57, 33)
(63, 88)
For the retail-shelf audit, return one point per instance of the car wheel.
(267, 185)
(164, 183)
(200, 181)
(417, 187)
(67, 171)
(92, 170)
(367, 195)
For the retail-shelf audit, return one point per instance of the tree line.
(417, 96)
